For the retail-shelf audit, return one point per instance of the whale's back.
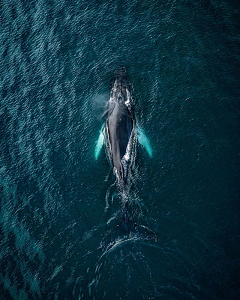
(120, 125)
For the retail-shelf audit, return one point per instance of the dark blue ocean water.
(57, 60)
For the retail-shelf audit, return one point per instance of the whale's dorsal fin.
(99, 143)
(143, 140)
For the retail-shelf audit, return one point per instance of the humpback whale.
(120, 132)
(120, 129)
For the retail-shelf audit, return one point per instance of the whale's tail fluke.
(126, 228)
(127, 232)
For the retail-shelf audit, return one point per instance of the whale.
(121, 132)
(120, 125)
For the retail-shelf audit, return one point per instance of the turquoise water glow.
(60, 209)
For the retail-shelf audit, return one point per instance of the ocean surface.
(60, 208)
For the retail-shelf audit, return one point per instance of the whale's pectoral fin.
(99, 143)
(143, 140)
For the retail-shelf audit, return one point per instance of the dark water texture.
(57, 203)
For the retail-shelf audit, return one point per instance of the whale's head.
(120, 92)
